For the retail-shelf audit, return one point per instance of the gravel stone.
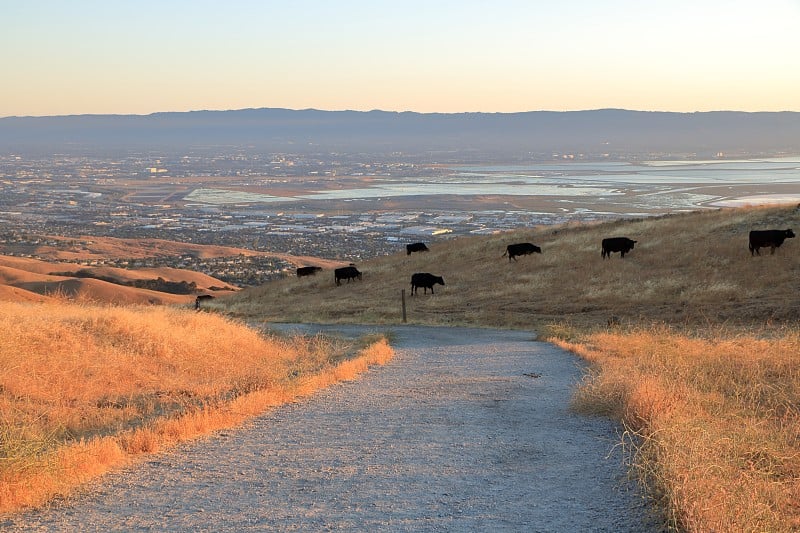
(464, 430)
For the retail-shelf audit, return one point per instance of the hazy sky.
(62, 57)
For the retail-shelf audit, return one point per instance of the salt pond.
(641, 186)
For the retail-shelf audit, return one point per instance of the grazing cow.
(622, 245)
(522, 248)
(200, 299)
(307, 271)
(424, 280)
(416, 247)
(348, 273)
(768, 237)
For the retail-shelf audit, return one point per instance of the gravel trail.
(464, 430)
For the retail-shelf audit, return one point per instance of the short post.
(403, 300)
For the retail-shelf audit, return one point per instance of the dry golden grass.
(87, 388)
(87, 248)
(23, 279)
(712, 416)
(685, 269)
(713, 421)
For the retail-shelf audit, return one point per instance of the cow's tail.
(504, 253)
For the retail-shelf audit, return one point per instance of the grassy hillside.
(714, 413)
(24, 279)
(701, 368)
(88, 248)
(685, 269)
(712, 420)
(86, 388)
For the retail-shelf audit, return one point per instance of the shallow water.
(594, 187)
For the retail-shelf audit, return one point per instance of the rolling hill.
(685, 269)
(23, 279)
(62, 270)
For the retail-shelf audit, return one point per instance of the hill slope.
(685, 268)
(34, 278)
(24, 279)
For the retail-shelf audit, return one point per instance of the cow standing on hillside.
(200, 299)
(416, 247)
(348, 273)
(307, 271)
(769, 237)
(522, 248)
(426, 281)
(622, 245)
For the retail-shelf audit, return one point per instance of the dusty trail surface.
(465, 430)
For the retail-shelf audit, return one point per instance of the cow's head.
(789, 233)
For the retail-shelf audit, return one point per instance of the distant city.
(156, 196)
(338, 206)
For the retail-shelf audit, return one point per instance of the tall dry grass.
(714, 416)
(713, 420)
(685, 269)
(86, 388)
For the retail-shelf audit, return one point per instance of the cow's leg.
(431, 289)
(772, 250)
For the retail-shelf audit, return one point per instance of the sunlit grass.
(713, 420)
(711, 415)
(684, 269)
(86, 388)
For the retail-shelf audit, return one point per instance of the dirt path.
(465, 430)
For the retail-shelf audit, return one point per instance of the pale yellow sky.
(95, 56)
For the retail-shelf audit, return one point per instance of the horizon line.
(406, 112)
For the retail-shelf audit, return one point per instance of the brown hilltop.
(61, 259)
(685, 269)
(26, 282)
(89, 248)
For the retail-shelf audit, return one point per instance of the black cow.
(424, 280)
(522, 248)
(416, 247)
(307, 271)
(622, 245)
(348, 273)
(202, 298)
(768, 237)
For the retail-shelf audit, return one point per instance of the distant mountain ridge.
(591, 132)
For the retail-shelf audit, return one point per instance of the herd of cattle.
(772, 239)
